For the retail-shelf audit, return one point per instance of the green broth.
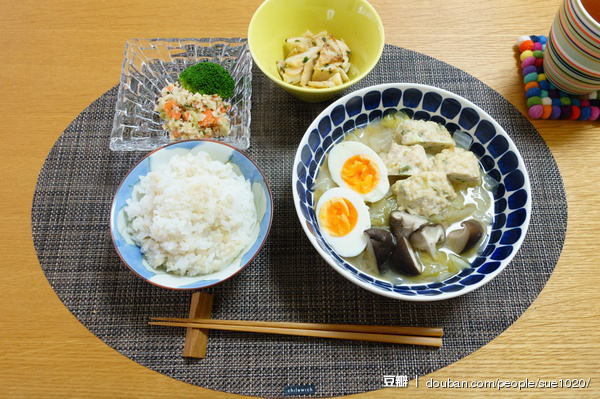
(471, 202)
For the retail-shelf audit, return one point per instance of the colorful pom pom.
(576, 112)
(595, 113)
(531, 101)
(531, 85)
(521, 39)
(543, 84)
(539, 62)
(547, 101)
(531, 77)
(533, 92)
(555, 112)
(536, 111)
(565, 101)
(528, 61)
(526, 54)
(547, 111)
(537, 46)
(538, 54)
(526, 45)
(585, 114)
(529, 69)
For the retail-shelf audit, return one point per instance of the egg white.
(355, 241)
(338, 156)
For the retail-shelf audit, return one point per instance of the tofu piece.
(402, 160)
(432, 136)
(425, 194)
(459, 165)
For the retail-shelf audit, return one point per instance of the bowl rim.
(312, 90)
(371, 287)
(112, 227)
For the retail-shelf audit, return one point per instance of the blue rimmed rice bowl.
(131, 254)
(496, 152)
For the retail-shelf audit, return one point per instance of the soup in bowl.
(411, 191)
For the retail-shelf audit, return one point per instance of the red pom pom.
(538, 62)
(526, 45)
(576, 112)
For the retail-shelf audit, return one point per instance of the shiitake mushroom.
(404, 224)
(462, 240)
(427, 237)
(404, 259)
(380, 244)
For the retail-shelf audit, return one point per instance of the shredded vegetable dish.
(190, 115)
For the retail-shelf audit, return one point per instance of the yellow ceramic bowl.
(355, 21)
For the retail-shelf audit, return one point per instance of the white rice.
(194, 215)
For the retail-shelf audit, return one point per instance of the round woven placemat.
(288, 281)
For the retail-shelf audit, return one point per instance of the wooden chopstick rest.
(196, 339)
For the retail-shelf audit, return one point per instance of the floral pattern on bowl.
(130, 253)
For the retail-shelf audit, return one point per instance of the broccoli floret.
(207, 78)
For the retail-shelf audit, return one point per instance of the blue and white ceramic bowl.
(130, 253)
(493, 147)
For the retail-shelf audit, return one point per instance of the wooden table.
(58, 56)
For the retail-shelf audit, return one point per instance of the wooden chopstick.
(357, 336)
(396, 330)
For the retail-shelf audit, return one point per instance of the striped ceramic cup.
(572, 56)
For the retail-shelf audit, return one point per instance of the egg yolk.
(361, 174)
(338, 216)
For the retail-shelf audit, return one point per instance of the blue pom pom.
(533, 92)
(544, 85)
(535, 38)
(542, 39)
(586, 112)
(556, 102)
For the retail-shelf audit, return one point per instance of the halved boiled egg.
(357, 167)
(343, 217)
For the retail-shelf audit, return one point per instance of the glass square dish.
(151, 64)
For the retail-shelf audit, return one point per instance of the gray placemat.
(288, 281)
